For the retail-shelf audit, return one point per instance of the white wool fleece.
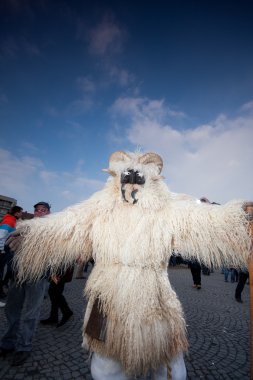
(131, 245)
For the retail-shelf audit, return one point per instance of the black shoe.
(198, 287)
(20, 357)
(49, 321)
(64, 319)
(5, 351)
(238, 299)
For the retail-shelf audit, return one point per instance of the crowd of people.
(240, 276)
(24, 300)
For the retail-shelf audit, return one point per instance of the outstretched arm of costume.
(213, 234)
(56, 241)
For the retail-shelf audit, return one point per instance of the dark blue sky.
(80, 79)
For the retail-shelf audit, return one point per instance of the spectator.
(58, 301)
(226, 273)
(25, 299)
(233, 274)
(7, 226)
(243, 276)
(205, 270)
(195, 268)
(83, 268)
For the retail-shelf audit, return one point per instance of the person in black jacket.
(195, 267)
(58, 301)
(243, 276)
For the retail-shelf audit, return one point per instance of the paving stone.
(218, 333)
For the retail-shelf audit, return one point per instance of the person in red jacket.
(7, 226)
(23, 304)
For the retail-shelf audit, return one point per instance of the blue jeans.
(233, 273)
(226, 273)
(22, 312)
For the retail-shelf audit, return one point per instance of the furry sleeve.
(54, 241)
(213, 234)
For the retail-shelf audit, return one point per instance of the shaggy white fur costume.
(131, 239)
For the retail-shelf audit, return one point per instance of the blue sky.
(82, 79)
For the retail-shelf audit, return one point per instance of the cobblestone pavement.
(218, 329)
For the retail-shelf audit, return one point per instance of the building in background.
(6, 203)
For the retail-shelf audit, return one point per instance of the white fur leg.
(178, 368)
(103, 368)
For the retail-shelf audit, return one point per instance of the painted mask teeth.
(129, 194)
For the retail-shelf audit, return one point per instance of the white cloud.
(85, 102)
(82, 103)
(247, 106)
(11, 47)
(106, 38)
(120, 76)
(105, 44)
(28, 146)
(86, 84)
(28, 180)
(80, 106)
(48, 176)
(212, 160)
(137, 108)
(141, 109)
(16, 173)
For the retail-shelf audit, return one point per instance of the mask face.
(131, 182)
(132, 177)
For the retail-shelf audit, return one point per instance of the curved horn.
(119, 156)
(152, 158)
(111, 172)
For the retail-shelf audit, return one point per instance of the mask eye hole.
(125, 176)
(139, 178)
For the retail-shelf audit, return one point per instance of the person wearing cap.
(41, 209)
(23, 300)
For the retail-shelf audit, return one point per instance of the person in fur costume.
(134, 322)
